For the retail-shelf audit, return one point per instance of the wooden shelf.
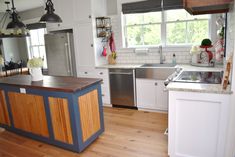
(197, 7)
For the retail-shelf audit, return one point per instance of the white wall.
(126, 55)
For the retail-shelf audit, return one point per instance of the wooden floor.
(129, 133)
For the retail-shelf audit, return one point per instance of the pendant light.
(15, 23)
(50, 16)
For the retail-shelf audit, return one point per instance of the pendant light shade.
(15, 23)
(50, 16)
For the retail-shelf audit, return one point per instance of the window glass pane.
(34, 37)
(176, 33)
(134, 36)
(193, 17)
(197, 30)
(132, 19)
(154, 17)
(35, 51)
(41, 36)
(175, 15)
(152, 34)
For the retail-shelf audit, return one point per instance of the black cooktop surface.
(200, 77)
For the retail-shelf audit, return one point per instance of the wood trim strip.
(89, 114)
(60, 117)
(4, 115)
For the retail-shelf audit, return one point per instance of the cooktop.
(207, 77)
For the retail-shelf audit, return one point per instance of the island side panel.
(89, 114)
(60, 117)
(4, 115)
(28, 112)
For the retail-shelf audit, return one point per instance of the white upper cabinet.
(63, 8)
(86, 10)
(84, 45)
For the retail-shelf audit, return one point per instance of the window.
(36, 45)
(182, 28)
(143, 29)
(173, 27)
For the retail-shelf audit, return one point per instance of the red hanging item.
(112, 43)
(104, 53)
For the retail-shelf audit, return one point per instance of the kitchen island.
(62, 111)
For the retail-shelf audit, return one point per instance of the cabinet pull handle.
(58, 25)
(85, 72)
(156, 84)
(101, 73)
(103, 95)
(92, 45)
(89, 16)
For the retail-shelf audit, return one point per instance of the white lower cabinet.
(91, 72)
(198, 124)
(151, 94)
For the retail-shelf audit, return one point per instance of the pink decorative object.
(112, 43)
(104, 53)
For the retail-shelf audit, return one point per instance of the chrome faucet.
(162, 59)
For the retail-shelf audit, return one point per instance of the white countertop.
(178, 86)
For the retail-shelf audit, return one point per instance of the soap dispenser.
(174, 59)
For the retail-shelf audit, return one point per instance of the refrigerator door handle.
(68, 58)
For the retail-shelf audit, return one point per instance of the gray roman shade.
(35, 26)
(151, 6)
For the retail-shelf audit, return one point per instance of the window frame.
(163, 31)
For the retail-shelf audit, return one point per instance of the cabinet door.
(146, 93)
(82, 10)
(4, 116)
(28, 112)
(162, 96)
(84, 45)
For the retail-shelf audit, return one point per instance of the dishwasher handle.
(120, 73)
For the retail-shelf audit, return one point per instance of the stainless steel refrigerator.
(60, 54)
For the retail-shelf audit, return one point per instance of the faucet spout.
(161, 56)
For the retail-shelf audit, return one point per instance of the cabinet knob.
(101, 73)
(89, 16)
(85, 72)
(103, 95)
(58, 25)
(156, 84)
(92, 45)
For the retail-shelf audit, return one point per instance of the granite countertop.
(198, 87)
(52, 83)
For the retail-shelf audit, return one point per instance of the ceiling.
(22, 5)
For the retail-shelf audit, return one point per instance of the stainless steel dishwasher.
(122, 87)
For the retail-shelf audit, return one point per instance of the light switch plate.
(23, 90)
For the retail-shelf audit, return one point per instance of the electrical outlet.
(23, 90)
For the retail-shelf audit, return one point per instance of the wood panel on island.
(63, 111)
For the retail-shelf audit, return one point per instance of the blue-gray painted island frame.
(78, 144)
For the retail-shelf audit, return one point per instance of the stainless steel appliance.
(208, 77)
(60, 54)
(122, 87)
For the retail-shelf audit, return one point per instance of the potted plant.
(35, 68)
